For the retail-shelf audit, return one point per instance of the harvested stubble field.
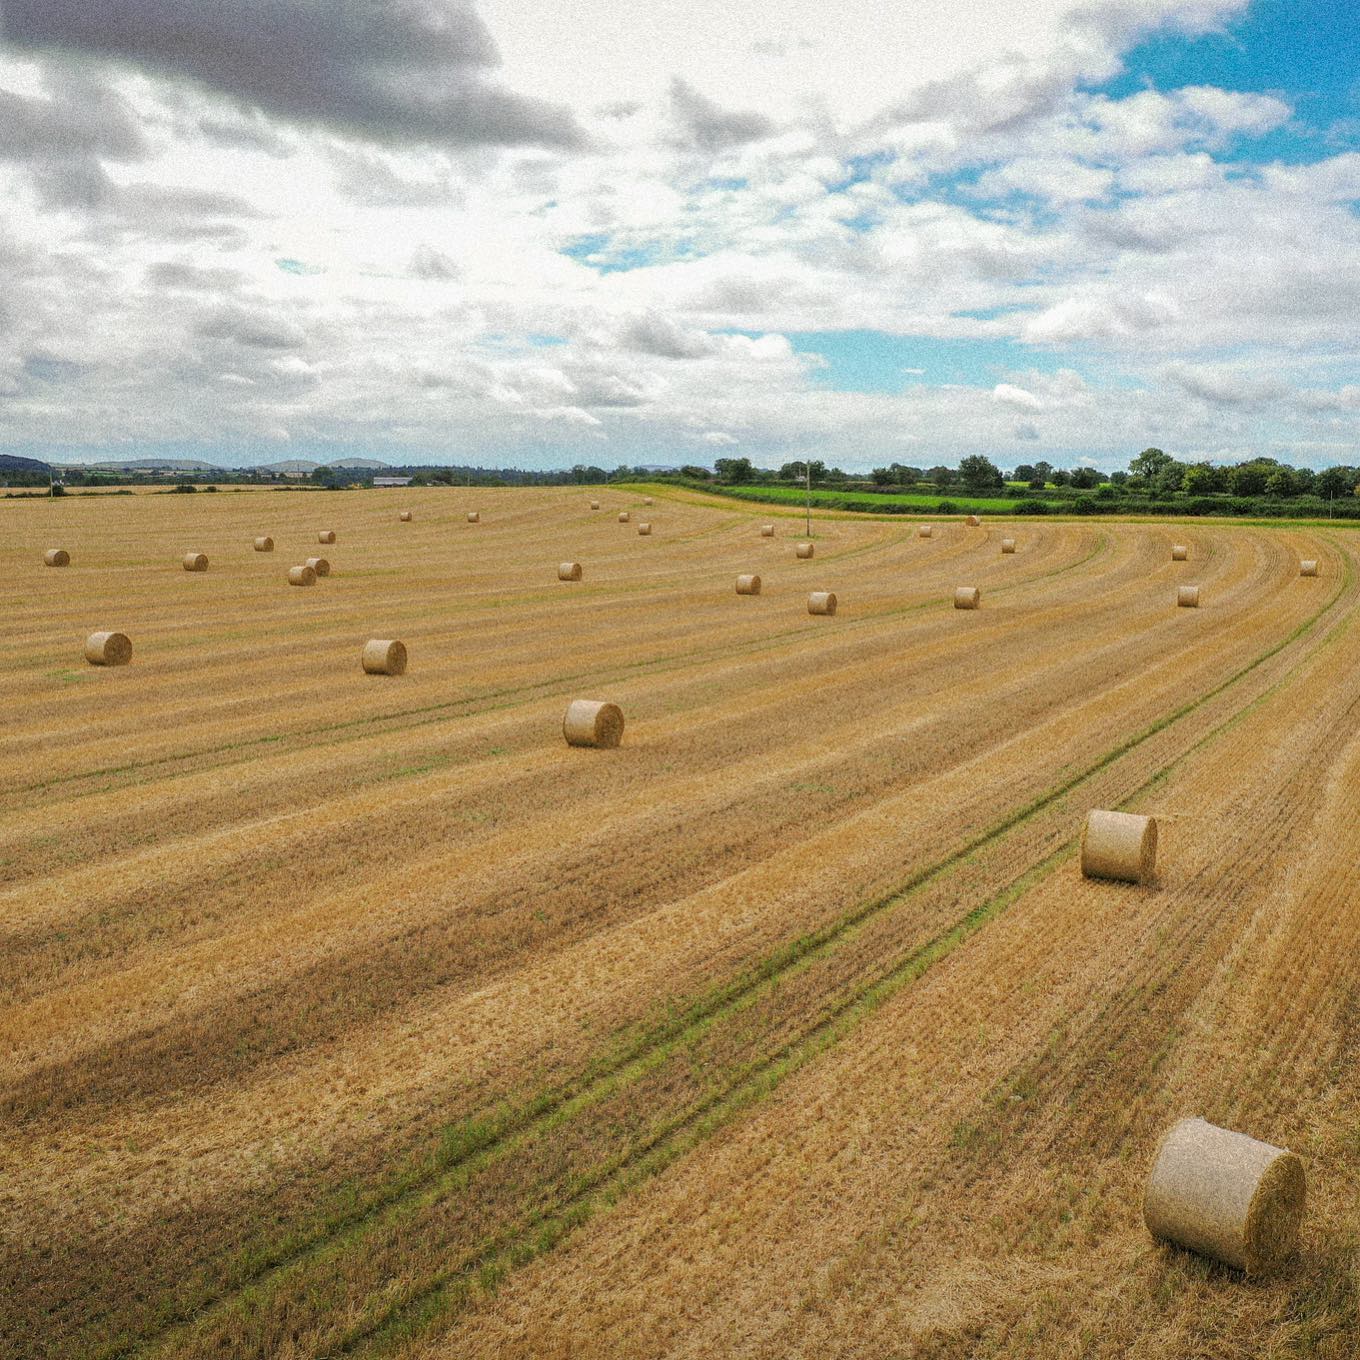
(351, 1014)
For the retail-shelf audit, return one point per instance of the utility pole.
(807, 468)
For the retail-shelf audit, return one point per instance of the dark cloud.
(707, 126)
(255, 329)
(652, 333)
(402, 70)
(74, 121)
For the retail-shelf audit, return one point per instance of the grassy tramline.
(477, 1143)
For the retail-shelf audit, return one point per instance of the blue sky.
(634, 234)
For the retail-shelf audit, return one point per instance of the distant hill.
(150, 465)
(290, 465)
(11, 462)
(357, 463)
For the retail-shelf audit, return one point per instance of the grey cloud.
(1224, 387)
(75, 121)
(403, 70)
(192, 277)
(652, 333)
(708, 126)
(251, 328)
(1025, 429)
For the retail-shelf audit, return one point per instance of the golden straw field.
(359, 1014)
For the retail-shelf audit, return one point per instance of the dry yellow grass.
(253, 1044)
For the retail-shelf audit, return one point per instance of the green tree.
(1024, 473)
(941, 475)
(1149, 463)
(1335, 481)
(1281, 483)
(1201, 479)
(979, 473)
(1248, 479)
(734, 470)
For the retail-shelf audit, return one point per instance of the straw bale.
(405, 517)
(644, 529)
(195, 561)
(926, 531)
(56, 557)
(592, 722)
(1119, 845)
(326, 536)
(108, 649)
(594, 505)
(1308, 567)
(973, 521)
(647, 500)
(474, 517)
(383, 656)
(804, 549)
(822, 602)
(264, 544)
(767, 531)
(623, 516)
(1179, 552)
(1225, 1195)
(967, 597)
(748, 585)
(568, 571)
(301, 576)
(1187, 597)
(320, 565)
(1007, 545)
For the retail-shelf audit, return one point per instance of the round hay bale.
(320, 565)
(1119, 845)
(822, 602)
(383, 656)
(405, 517)
(967, 597)
(264, 544)
(1187, 597)
(647, 500)
(592, 722)
(926, 531)
(326, 536)
(1307, 567)
(1007, 545)
(804, 550)
(767, 531)
(568, 571)
(644, 529)
(623, 516)
(474, 517)
(594, 505)
(301, 576)
(748, 585)
(1179, 552)
(1225, 1195)
(56, 557)
(195, 561)
(108, 649)
(973, 522)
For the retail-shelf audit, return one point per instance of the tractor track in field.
(499, 1139)
(492, 701)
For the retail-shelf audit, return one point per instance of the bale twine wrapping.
(644, 529)
(926, 531)
(195, 561)
(822, 602)
(301, 576)
(594, 505)
(326, 536)
(592, 722)
(973, 521)
(264, 544)
(1307, 567)
(56, 557)
(767, 531)
(804, 550)
(320, 565)
(1007, 545)
(568, 571)
(1225, 1195)
(405, 516)
(1119, 845)
(967, 597)
(108, 649)
(383, 656)
(474, 517)
(1187, 597)
(1179, 552)
(748, 585)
